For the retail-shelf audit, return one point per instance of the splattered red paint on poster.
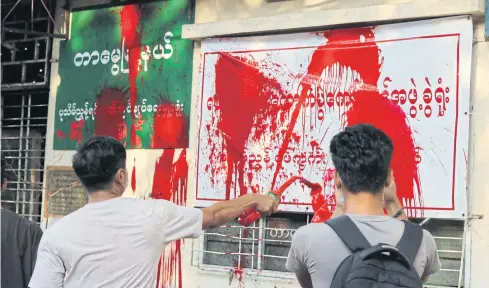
(266, 118)
(169, 127)
(170, 183)
(243, 95)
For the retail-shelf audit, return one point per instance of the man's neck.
(364, 203)
(99, 196)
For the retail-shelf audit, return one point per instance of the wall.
(224, 17)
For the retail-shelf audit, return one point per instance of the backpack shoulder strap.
(411, 240)
(349, 233)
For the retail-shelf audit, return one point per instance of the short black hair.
(4, 177)
(97, 161)
(362, 155)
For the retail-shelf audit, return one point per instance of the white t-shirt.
(113, 243)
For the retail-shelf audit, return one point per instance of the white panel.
(433, 55)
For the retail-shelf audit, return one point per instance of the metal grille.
(25, 46)
(263, 248)
(24, 122)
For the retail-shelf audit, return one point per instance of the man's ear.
(337, 181)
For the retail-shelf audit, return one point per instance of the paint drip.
(133, 178)
(170, 183)
(131, 39)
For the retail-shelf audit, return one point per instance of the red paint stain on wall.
(60, 134)
(76, 132)
(133, 177)
(242, 95)
(169, 128)
(109, 114)
(170, 183)
(367, 105)
(242, 103)
(129, 22)
(393, 122)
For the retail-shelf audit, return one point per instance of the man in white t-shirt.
(117, 242)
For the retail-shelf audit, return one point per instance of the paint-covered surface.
(126, 72)
(270, 105)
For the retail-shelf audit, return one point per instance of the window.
(25, 55)
(24, 121)
(263, 247)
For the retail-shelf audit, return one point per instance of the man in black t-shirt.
(20, 239)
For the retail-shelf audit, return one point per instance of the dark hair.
(362, 155)
(4, 177)
(97, 161)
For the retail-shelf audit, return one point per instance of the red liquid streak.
(130, 16)
(170, 183)
(133, 177)
(109, 114)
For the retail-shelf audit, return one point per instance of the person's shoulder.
(313, 231)
(10, 216)
(428, 239)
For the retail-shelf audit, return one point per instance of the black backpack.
(378, 266)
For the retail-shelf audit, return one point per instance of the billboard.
(125, 72)
(269, 106)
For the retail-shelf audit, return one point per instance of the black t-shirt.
(20, 239)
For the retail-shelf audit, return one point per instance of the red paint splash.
(170, 126)
(162, 179)
(393, 122)
(242, 95)
(170, 183)
(238, 272)
(60, 134)
(133, 177)
(76, 132)
(343, 47)
(109, 114)
(129, 22)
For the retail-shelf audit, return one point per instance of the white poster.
(269, 106)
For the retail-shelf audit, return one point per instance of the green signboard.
(126, 72)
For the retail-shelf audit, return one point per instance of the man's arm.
(30, 255)
(433, 262)
(298, 258)
(186, 222)
(225, 211)
(304, 279)
(49, 271)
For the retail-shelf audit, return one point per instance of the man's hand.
(225, 211)
(265, 204)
